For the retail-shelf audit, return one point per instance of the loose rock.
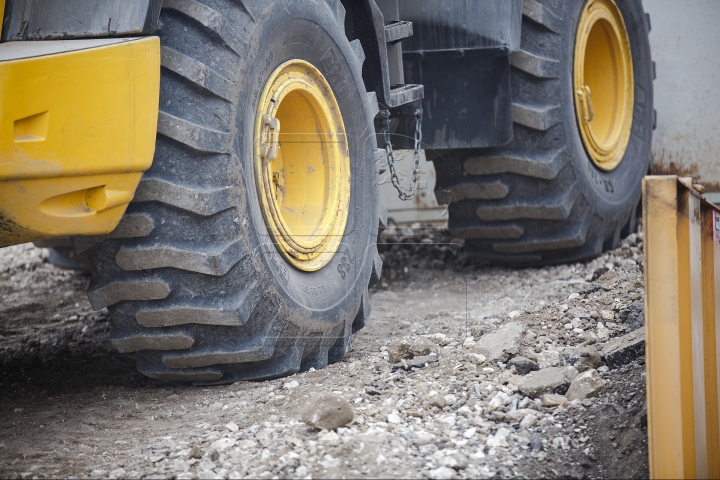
(547, 380)
(500, 345)
(327, 411)
(587, 384)
(437, 401)
(622, 350)
(553, 400)
(443, 473)
(583, 358)
(410, 347)
(634, 316)
(523, 365)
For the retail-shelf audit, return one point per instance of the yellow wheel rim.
(302, 165)
(603, 83)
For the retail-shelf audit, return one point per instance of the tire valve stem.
(585, 97)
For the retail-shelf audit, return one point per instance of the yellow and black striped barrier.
(682, 328)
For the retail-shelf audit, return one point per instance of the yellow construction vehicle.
(217, 161)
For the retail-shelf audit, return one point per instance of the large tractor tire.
(249, 248)
(568, 185)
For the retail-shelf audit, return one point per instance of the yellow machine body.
(77, 130)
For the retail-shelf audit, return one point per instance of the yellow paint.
(711, 324)
(682, 273)
(77, 130)
(31, 129)
(302, 165)
(603, 83)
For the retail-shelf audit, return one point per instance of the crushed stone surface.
(449, 406)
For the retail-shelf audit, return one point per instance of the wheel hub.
(603, 83)
(302, 165)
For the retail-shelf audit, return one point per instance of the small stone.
(98, 473)
(290, 385)
(499, 439)
(477, 358)
(443, 473)
(327, 411)
(448, 420)
(582, 358)
(222, 444)
(458, 461)
(523, 365)
(329, 438)
(535, 442)
(499, 400)
(633, 316)
(502, 344)
(529, 420)
(195, 452)
(602, 332)
(117, 473)
(622, 350)
(518, 415)
(330, 462)
(607, 315)
(410, 347)
(437, 401)
(553, 400)
(587, 384)
(422, 360)
(232, 426)
(394, 418)
(423, 438)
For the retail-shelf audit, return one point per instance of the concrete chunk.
(502, 344)
(622, 350)
(548, 380)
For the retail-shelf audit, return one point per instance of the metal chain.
(385, 114)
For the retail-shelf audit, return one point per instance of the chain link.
(409, 195)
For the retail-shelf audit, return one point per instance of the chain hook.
(410, 194)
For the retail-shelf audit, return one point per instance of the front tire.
(197, 285)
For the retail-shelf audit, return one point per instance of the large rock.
(502, 344)
(622, 350)
(410, 347)
(327, 411)
(587, 384)
(547, 380)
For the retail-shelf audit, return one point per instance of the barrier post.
(682, 263)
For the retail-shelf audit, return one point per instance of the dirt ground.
(71, 406)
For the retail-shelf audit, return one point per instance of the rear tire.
(194, 283)
(540, 199)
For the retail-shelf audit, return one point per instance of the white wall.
(685, 42)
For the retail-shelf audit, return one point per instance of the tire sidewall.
(310, 32)
(615, 193)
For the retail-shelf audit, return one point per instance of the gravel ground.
(464, 371)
